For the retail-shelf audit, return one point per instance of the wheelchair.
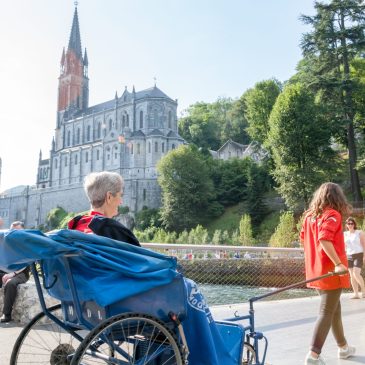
(150, 327)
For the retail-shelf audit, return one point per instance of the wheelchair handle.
(329, 274)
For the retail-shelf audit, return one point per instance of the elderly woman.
(104, 191)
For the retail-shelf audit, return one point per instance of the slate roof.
(155, 132)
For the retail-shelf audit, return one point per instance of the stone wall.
(27, 302)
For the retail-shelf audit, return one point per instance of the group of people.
(327, 249)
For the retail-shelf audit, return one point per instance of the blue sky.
(198, 50)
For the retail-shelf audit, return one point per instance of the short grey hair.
(98, 184)
(17, 223)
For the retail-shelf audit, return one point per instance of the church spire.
(74, 44)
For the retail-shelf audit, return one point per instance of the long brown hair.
(329, 195)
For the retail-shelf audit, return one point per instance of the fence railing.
(233, 274)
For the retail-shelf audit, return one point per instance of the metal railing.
(233, 274)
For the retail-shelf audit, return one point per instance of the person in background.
(10, 282)
(104, 191)
(355, 248)
(324, 252)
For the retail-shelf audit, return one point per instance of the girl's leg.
(356, 273)
(354, 283)
(329, 308)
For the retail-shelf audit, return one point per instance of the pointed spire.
(134, 90)
(116, 95)
(86, 61)
(74, 43)
(40, 155)
(63, 57)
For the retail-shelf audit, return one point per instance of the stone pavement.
(288, 325)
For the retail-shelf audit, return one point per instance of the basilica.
(127, 134)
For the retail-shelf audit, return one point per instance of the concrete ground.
(288, 325)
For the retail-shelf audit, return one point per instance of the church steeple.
(73, 88)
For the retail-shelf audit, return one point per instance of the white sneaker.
(310, 360)
(344, 353)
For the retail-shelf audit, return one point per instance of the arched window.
(141, 119)
(127, 120)
(97, 154)
(76, 160)
(88, 134)
(78, 136)
(173, 146)
(110, 124)
(99, 130)
(155, 118)
(156, 147)
(144, 194)
(87, 157)
(163, 147)
(56, 163)
(170, 119)
(123, 121)
(68, 138)
(149, 147)
(138, 148)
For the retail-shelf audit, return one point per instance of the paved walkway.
(287, 324)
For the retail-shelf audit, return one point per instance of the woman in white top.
(355, 248)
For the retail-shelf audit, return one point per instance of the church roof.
(153, 92)
(138, 133)
(155, 132)
(236, 144)
(74, 43)
(173, 134)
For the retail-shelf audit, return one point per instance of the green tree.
(299, 140)
(246, 235)
(259, 102)
(55, 217)
(337, 38)
(147, 217)
(285, 233)
(217, 237)
(188, 197)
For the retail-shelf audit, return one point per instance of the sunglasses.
(350, 223)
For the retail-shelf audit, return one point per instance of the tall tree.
(300, 143)
(338, 36)
(259, 102)
(188, 197)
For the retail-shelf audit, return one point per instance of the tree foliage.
(286, 233)
(336, 39)
(188, 197)
(258, 103)
(300, 143)
(245, 228)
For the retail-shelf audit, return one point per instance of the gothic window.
(88, 134)
(155, 118)
(115, 155)
(97, 155)
(110, 124)
(144, 194)
(68, 138)
(170, 118)
(156, 147)
(163, 147)
(87, 157)
(78, 136)
(76, 160)
(138, 148)
(99, 130)
(141, 119)
(173, 146)
(149, 147)
(127, 120)
(123, 121)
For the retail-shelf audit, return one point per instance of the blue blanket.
(107, 271)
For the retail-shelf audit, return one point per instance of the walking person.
(355, 248)
(10, 282)
(324, 251)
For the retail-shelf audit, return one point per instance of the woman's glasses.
(350, 223)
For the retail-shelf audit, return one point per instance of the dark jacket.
(107, 227)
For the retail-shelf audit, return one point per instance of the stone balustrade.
(27, 302)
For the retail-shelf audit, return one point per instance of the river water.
(229, 294)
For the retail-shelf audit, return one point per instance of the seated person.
(104, 191)
(10, 282)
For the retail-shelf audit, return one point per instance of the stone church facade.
(127, 134)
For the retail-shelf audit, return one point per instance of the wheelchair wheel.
(249, 354)
(42, 341)
(132, 339)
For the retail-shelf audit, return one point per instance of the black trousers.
(10, 290)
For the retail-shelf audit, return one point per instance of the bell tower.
(73, 85)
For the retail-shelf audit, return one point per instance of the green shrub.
(286, 232)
